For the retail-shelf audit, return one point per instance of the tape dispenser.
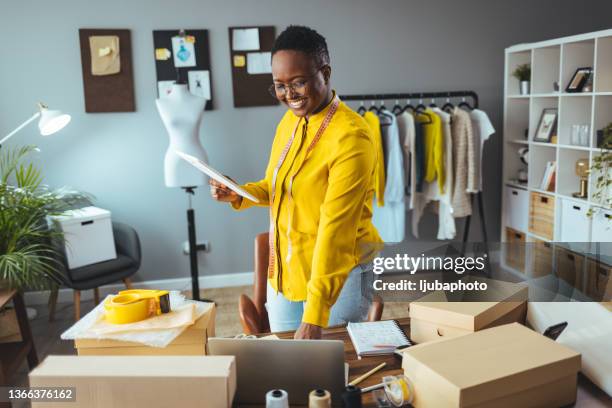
(130, 306)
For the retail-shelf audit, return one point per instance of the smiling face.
(310, 90)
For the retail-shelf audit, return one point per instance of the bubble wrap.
(88, 327)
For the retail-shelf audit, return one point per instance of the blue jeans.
(352, 304)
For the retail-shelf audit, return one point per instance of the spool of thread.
(277, 399)
(351, 397)
(319, 399)
(398, 390)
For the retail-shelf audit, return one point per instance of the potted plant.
(30, 253)
(601, 169)
(523, 74)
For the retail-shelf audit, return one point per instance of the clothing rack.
(414, 95)
(439, 95)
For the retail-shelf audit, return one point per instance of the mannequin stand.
(193, 248)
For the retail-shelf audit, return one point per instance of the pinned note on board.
(199, 83)
(183, 51)
(162, 54)
(259, 63)
(245, 39)
(239, 61)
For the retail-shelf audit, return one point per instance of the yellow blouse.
(434, 148)
(323, 229)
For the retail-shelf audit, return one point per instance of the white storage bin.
(575, 224)
(89, 236)
(517, 208)
(602, 226)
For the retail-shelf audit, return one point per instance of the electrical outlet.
(202, 246)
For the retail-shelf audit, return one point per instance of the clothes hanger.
(448, 106)
(382, 106)
(362, 109)
(420, 107)
(409, 106)
(433, 103)
(421, 110)
(464, 104)
(397, 108)
(373, 107)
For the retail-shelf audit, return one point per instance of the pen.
(366, 375)
(384, 346)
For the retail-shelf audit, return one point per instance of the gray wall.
(376, 46)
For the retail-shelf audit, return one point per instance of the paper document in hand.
(209, 171)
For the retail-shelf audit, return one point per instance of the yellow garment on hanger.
(379, 183)
(434, 149)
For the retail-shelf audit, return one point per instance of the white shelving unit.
(555, 61)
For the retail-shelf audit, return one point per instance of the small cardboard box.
(191, 342)
(505, 366)
(140, 381)
(434, 317)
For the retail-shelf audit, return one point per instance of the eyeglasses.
(297, 87)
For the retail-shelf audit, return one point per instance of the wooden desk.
(589, 395)
(13, 354)
(358, 367)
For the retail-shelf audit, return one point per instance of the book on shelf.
(548, 180)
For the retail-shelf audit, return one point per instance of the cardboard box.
(9, 327)
(434, 316)
(505, 366)
(140, 381)
(191, 342)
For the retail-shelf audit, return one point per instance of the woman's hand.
(308, 331)
(221, 192)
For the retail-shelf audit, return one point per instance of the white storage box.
(575, 223)
(517, 209)
(602, 226)
(89, 236)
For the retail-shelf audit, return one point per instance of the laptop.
(296, 366)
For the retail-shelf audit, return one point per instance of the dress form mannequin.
(181, 112)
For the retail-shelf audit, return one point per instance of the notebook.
(376, 338)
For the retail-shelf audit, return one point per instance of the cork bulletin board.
(250, 61)
(184, 55)
(108, 81)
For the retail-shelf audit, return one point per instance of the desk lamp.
(51, 121)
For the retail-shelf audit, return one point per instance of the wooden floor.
(47, 334)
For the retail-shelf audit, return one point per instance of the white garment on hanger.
(483, 129)
(390, 220)
(405, 125)
(431, 191)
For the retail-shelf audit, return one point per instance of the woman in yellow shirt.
(319, 186)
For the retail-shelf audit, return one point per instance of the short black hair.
(305, 39)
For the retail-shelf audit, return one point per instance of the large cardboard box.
(434, 316)
(140, 381)
(505, 366)
(191, 342)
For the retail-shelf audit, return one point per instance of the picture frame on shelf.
(546, 126)
(579, 79)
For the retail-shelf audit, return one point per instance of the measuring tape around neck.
(272, 235)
